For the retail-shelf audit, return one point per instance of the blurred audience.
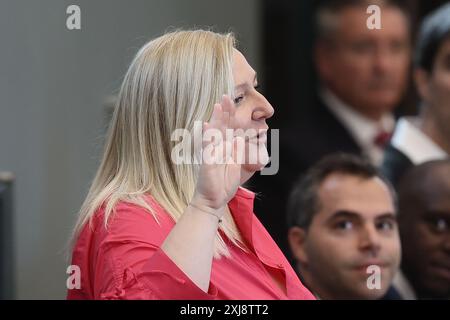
(424, 223)
(362, 77)
(342, 219)
(426, 137)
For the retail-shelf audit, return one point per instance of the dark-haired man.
(342, 228)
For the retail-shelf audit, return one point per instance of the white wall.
(53, 83)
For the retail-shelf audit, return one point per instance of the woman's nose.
(263, 110)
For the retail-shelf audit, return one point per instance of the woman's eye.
(237, 100)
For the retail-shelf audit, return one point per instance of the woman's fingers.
(216, 115)
(217, 136)
(228, 106)
(238, 150)
(223, 113)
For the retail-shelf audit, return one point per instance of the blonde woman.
(154, 228)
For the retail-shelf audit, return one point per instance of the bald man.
(424, 224)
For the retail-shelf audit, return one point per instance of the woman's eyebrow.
(246, 84)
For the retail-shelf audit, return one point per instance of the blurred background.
(56, 87)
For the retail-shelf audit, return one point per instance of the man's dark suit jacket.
(395, 164)
(308, 139)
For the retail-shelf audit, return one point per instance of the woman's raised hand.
(220, 171)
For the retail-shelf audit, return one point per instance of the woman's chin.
(248, 169)
(252, 168)
(258, 165)
(256, 158)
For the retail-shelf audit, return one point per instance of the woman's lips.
(259, 138)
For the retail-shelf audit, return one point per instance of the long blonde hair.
(173, 81)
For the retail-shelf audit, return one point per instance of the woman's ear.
(422, 78)
(297, 239)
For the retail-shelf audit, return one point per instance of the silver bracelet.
(203, 210)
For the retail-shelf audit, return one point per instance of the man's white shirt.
(414, 144)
